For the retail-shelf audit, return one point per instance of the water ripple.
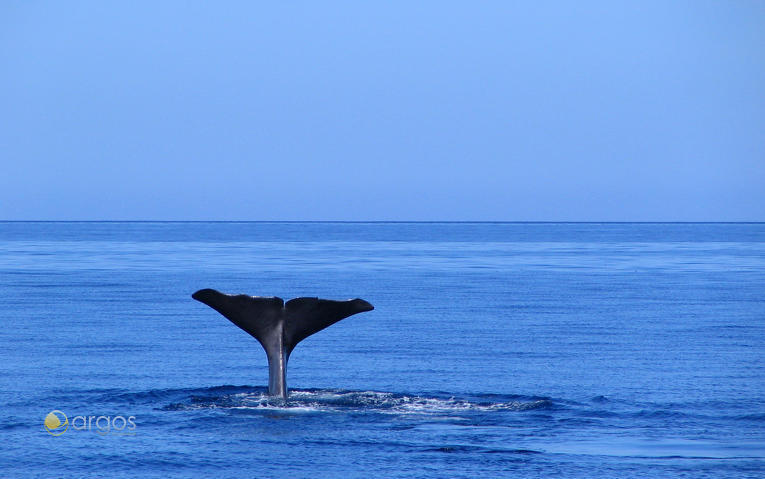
(315, 400)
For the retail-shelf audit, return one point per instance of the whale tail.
(280, 326)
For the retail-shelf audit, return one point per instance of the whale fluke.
(280, 326)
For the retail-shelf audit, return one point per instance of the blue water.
(495, 349)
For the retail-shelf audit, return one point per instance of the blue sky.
(518, 111)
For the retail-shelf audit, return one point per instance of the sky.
(388, 111)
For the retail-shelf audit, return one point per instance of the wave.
(307, 400)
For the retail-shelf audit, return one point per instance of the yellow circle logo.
(56, 423)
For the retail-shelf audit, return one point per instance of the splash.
(334, 400)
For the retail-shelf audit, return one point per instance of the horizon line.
(390, 221)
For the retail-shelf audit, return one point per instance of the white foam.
(371, 401)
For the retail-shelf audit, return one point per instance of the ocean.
(574, 350)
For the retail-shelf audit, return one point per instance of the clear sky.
(538, 110)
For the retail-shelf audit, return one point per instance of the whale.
(278, 325)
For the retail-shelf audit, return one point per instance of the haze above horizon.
(436, 111)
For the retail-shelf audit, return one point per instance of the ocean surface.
(576, 350)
